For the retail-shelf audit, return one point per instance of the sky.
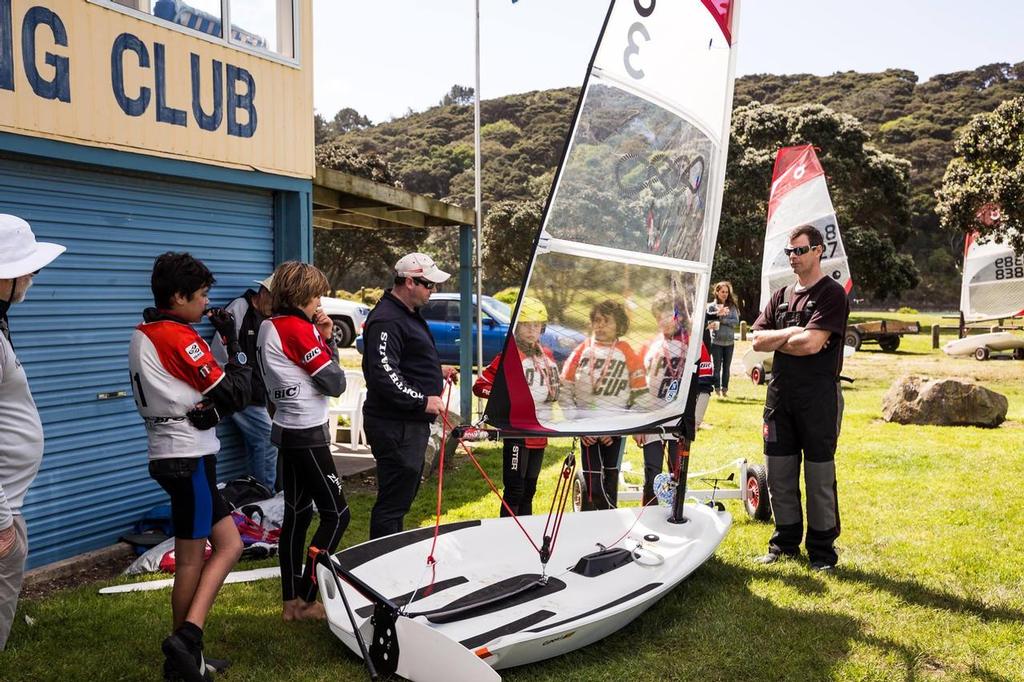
(383, 57)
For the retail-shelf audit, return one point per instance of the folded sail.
(993, 281)
(623, 259)
(800, 197)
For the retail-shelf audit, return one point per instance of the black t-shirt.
(824, 306)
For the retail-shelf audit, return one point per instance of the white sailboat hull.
(572, 611)
(996, 341)
(754, 358)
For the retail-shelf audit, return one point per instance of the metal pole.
(465, 323)
(478, 206)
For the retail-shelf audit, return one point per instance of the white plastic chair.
(349, 405)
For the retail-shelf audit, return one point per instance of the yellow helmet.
(532, 310)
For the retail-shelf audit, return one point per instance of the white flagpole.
(479, 209)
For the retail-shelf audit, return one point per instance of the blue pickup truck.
(442, 316)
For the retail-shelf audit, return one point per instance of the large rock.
(954, 401)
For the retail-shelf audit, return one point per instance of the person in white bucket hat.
(21, 431)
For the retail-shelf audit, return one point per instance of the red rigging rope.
(555, 513)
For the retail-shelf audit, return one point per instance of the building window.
(267, 26)
(264, 24)
(204, 16)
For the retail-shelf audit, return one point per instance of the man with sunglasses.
(403, 389)
(804, 324)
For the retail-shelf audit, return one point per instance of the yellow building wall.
(84, 71)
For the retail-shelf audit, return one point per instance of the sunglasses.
(425, 283)
(796, 250)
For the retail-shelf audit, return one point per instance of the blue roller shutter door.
(72, 332)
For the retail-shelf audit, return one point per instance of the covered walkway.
(342, 200)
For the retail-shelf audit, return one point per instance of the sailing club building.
(129, 128)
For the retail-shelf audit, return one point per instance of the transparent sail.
(800, 197)
(622, 263)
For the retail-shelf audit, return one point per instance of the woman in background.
(723, 318)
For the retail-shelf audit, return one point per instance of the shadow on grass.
(712, 627)
(715, 627)
(741, 400)
(916, 593)
(895, 353)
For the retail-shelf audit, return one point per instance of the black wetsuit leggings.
(309, 476)
(519, 472)
(601, 471)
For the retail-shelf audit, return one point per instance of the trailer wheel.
(1018, 353)
(579, 493)
(757, 375)
(757, 504)
(852, 338)
(889, 343)
(982, 353)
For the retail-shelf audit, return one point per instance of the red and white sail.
(993, 282)
(800, 197)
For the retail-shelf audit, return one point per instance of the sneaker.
(183, 659)
(170, 672)
(772, 557)
(823, 567)
(212, 665)
(216, 665)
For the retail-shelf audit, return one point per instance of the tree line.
(885, 142)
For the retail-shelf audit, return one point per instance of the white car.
(349, 318)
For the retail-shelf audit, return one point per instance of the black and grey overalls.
(802, 416)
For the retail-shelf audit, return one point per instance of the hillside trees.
(352, 257)
(508, 233)
(870, 190)
(349, 119)
(913, 120)
(322, 131)
(988, 172)
(459, 94)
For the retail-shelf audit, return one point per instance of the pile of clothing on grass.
(256, 510)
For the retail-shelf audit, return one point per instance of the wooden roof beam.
(330, 186)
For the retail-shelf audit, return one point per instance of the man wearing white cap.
(21, 431)
(403, 389)
(249, 311)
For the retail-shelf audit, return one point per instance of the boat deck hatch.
(599, 563)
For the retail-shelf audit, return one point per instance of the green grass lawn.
(929, 584)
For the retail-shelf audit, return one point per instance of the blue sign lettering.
(59, 87)
(6, 46)
(229, 87)
(126, 42)
(236, 101)
(208, 121)
(164, 113)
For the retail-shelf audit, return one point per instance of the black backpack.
(239, 492)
